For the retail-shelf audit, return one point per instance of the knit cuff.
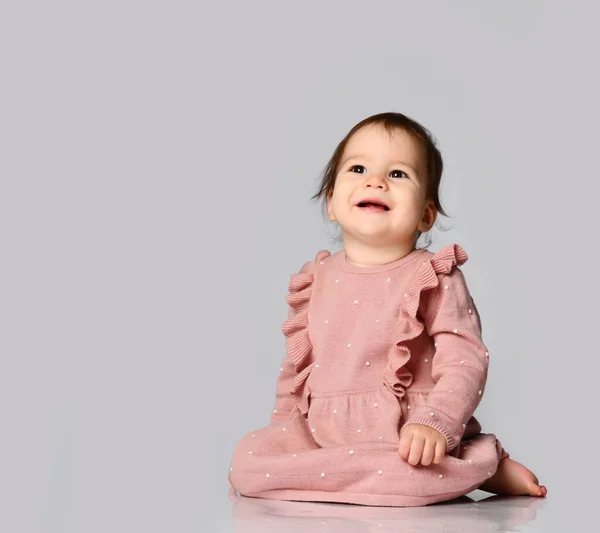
(442, 423)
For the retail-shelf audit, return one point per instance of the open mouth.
(373, 206)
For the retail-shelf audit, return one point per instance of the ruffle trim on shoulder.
(295, 329)
(397, 378)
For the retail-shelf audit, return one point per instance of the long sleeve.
(291, 391)
(460, 362)
(284, 402)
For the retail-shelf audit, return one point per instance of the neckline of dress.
(345, 265)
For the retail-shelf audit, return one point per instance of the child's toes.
(535, 489)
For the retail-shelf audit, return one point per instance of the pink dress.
(370, 349)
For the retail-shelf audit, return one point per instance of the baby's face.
(389, 169)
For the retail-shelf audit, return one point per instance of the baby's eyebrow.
(406, 165)
(364, 157)
(352, 157)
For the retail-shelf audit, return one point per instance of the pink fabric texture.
(369, 350)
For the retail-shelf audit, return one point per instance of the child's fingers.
(404, 446)
(440, 450)
(428, 452)
(416, 450)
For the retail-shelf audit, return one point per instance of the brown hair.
(432, 158)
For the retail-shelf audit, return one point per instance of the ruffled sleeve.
(460, 362)
(397, 377)
(291, 385)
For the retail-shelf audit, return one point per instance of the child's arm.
(291, 391)
(460, 362)
(284, 403)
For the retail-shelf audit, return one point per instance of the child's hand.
(421, 443)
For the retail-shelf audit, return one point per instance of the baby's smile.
(373, 208)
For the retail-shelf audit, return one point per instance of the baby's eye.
(356, 166)
(391, 173)
(402, 171)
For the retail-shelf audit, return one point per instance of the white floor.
(477, 512)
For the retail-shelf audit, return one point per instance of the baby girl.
(385, 362)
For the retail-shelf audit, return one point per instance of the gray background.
(157, 163)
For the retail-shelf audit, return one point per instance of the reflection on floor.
(477, 512)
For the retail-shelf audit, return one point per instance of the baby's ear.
(329, 211)
(430, 213)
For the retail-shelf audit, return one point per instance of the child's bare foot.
(514, 479)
